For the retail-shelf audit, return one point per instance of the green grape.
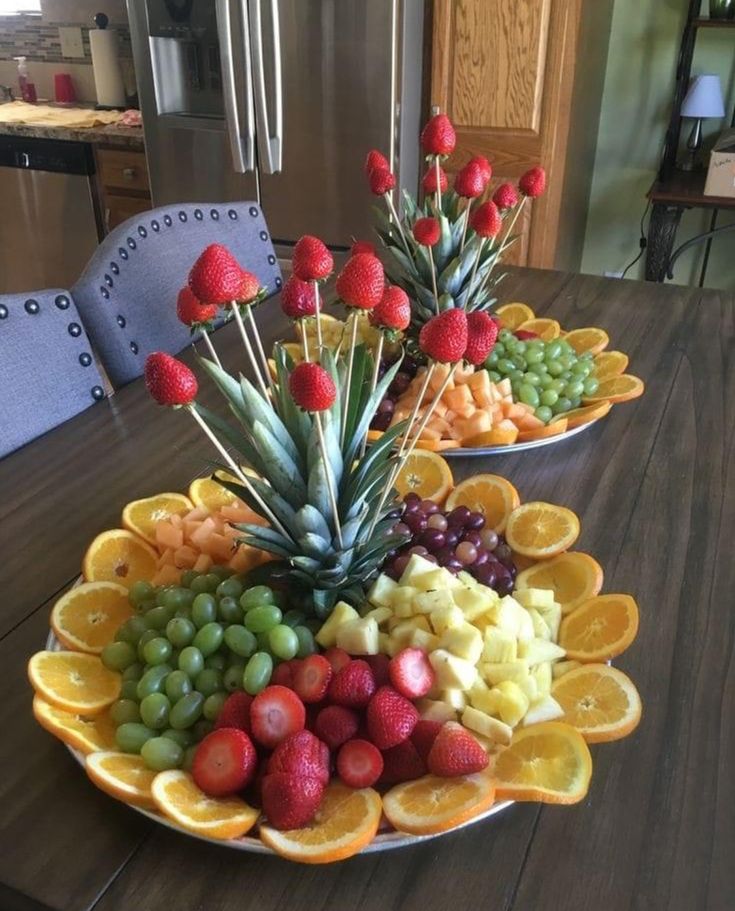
(153, 680)
(186, 711)
(580, 369)
(131, 630)
(531, 379)
(510, 345)
(209, 638)
(563, 404)
(189, 754)
(139, 592)
(209, 681)
(146, 605)
(546, 381)
(178, 684)
(117, 656)
(499, 348)
(567, 361)
(161, 753)
(307, 645)
(534, 356)
(183, 738)
(191, 661)
(213, 579)
(528, 395)
(576, 401)
(591, 385)
(123, 711)
(519, 362)
(566, 348)
(255, 596)
(557, 385)
(129, 690)
(552, 350)
(313, 624)
(258, 672)
(495, 377)
(549, 397)
(574, 390)
(158, 617)
(204, 609)
(180, 632)
(222, 572)
(216, 662)
(213, 705)
(293, 618)
(505, 335)
(131, 736)
(161, 594)
(188, 577)
(544, 413)
(202, 728)
(133, 671)
(262, 619)
(232, 677)
(491, 360)
(176, 598)
(264, 643)
(505, 366)
(283, 641)
(154, 710)
(229, 610)
(199, 585)
(555, 368)
(240, 640)
(157, 651)
(521, 347)
(516, 376)
(229, 588)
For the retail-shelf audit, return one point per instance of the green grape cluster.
(549, 376)
(185, 649)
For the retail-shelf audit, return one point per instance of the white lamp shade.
(704, 98)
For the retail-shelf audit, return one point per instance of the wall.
(639, 81)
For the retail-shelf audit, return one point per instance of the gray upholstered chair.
(47, 372)
(127, 294)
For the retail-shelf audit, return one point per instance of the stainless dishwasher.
(48, 212)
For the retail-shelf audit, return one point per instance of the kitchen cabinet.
(123, 184)
(522, 82)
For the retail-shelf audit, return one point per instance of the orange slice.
(541, 530)
(590, 339)
(497, 436)
(119, 556)
(208, 493)
(432, 804)
(600, 628)
(345, 823)
(73, 681)
(545, 328)
(177, 797)
(620, 388)
(489, 494)
(548, 430)
(87, 617)
(578, 416)
(426, 474)
(86, 734)
(549, 762)
(610, 363)
(142, 516)
(573, 577)
(437, 445)
(123, 776)
(512, 315)
(374, 435)
(601, 702)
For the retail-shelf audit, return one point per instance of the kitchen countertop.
(122, 137)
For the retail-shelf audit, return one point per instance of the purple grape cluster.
(457, 540)
(401, 382)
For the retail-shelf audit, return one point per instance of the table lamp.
(704, 99)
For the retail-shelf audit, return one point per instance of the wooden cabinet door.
(503, 70)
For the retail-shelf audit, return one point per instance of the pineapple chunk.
(455, 698)
(484, 699)
(538, 598)
(541, 673)
(473, 602)
(437, 579)
(539, 650)
(559, 668)
(530, 685)
(540, 626)
(499, 646)
(385, 643)
(403, 595)
(508, 670)
(327, 635)
(382, 590)
(451, 671)
(403, 609)
(552, 618)
(427, 642)
(415, 567)
(401, 634)
(547, 709)
(434, 710)
(482, 724)
(426, 602)
(513, 702)
(379, 614)
(444, 618)
(510, 615)
(463, 641)
(359, 637)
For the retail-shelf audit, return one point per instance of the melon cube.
(168, 535)
(203, 564)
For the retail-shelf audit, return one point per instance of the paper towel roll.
(108, 79)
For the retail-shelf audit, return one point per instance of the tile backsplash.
(32, 38)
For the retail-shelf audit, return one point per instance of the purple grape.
(443, 555)
(452, 537)
(437, 521)
(466, 553)
(416, 522)
(400, 563)
(391, 571)
(503, 581)
(482, 557)
(402, 529)
(381, 421)
(454, 566)
(419, 549)
(429, 507)
(489, 538)
(387, 406)
(412, 508)
(485, 574)
(503, 552)
(432, 539)
(458, 516)
(411, 497)
(401, 382)
(472, 537)
(431, 558)
(475, 521)
(409, 366)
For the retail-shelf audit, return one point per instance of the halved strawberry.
(275, 713)
(390, 718)
(337, 657)
(411, 674)
(224, 762)
(402, 763)
(424, 735)
(301, 754)
(359, 763)
(283, 673)
(456, 752)
(353, 685)
(235, 713)
(379, 665)
(336, 724)
(311, 678)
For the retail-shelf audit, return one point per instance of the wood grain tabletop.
(654, 486)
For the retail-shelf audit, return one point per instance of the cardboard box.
(721, 172)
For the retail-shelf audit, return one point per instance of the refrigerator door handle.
(270, 141)
(229, 90)
(249, 105)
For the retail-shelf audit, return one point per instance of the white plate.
(386, 840)
(515, 447)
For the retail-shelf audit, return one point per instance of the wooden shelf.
(704, 22)
(686, 188)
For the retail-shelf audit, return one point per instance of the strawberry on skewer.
(312, 262)
(250, 294)
(438, 139)
(486, 223)
(298, 302)
(382, 183)
(531, 184)
(469, 184)
(426, 232)
(198, 317)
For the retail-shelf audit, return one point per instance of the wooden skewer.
(248, 348)
(433, 280)
(304, 340)
(374, 381)
(397, 220)
(210, 346)
(350, 364)
(466, 223)
(414, 413)
(318, 306)
(259, 345)
(330, 479)
(438, 184)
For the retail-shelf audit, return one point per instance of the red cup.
(64, 88)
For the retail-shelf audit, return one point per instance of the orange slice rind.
(496, 436)
(123, 776)
(546, 329)
(142, 516)
(73, 681)
(178, 798)
(599, 629)
(620, 388)
(555, 428)
(600, 701)
(590, 340)
(573, 577)
(119, 556)
(514, 314)
(610, 363)
(578, 416)
(431, 804)
(87, 617)
(83, 733)
(541, 530)
(490, 494)
(427, 474)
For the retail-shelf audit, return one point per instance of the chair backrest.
(127, 294)
(47, 372)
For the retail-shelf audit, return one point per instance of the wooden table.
(654, 484)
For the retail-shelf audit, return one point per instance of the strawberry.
(390, 718)
(297, 298)
(168, 380)
(486, 220)
(470, 181)
(311, 678)
(249, 287)
(337, 657)
(506, 196)
(438, 136)
(524, 335)
(216, 277)
(379, 665)
(484, 165)
(393, 310)
(456, 752)
(311, 387)
(402, 763)
(362, 246)
(428, 181)
(235, 713)
(336, 724)
(427, 231)
(283, 673)
(533, 182)
(444, 337)
(381, 181)
(411, 674)
(301, 754)
(360, 284)
(224, 762)
(359, 764)
(374, 160)
(311, 261)
(482, 333)
(192, 311)
(276, 713)
(290, 801)
(353, 685)
(424, 735)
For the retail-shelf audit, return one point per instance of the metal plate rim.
(464, 452)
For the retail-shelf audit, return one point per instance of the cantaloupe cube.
(429, 433)
(529, 422)
(185, 557)
(504, 388)
(203, 563)
(458, 397)
(200, 535)
(479, 422)
(218, 547)
(197, 514)
(440, 409)
(466, 411)
(166, 575)
(176, 520)
(463, 373)
(166, 558)
(514, 411)
(168, 536)
(479, 382)
(505, 424)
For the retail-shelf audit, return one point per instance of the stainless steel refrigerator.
(279, 100)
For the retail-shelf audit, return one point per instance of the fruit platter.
(327, 647)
